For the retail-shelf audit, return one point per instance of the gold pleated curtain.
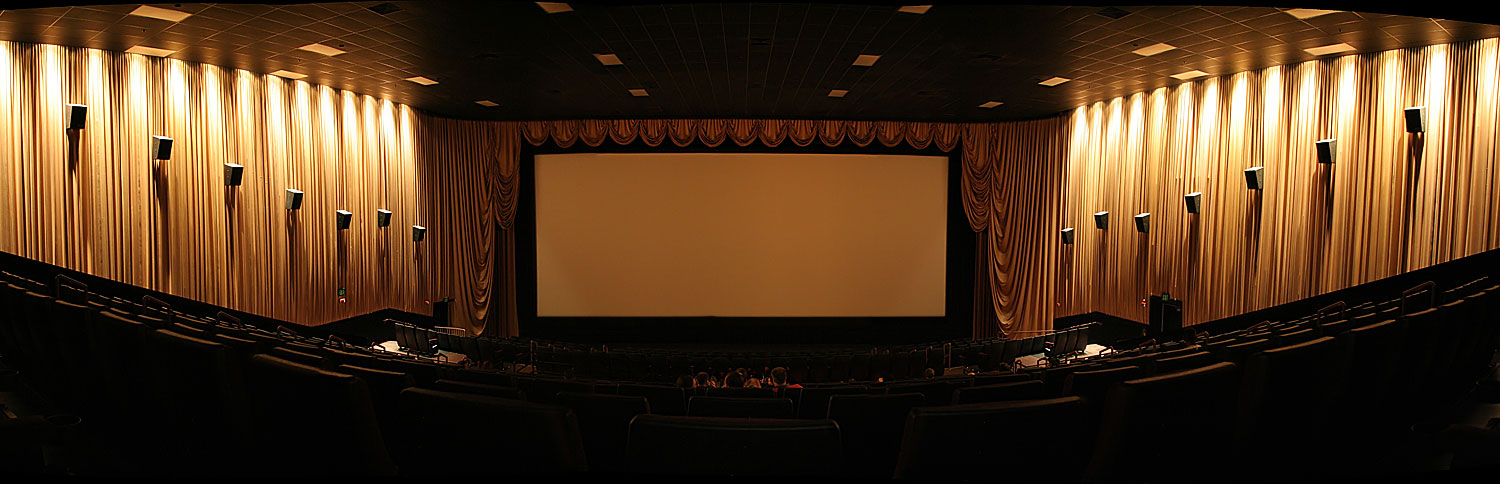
(1390, 203)
(94, 200)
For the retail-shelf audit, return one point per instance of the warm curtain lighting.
(1393, 202)
(99, 205)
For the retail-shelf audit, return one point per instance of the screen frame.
(958, 304)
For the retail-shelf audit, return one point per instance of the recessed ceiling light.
(1193, 74)
(421, 80)
(1330, 49)
(838, 93)
(486, 103)
(153, 51)
(638, 93)
(288, 74)
(554, 7)
(608, 59)
(866, 60)
(916, 9)
(991, 104)
(321, 49)
(1151, 50)
(1307, 13)
(160, 13)
(1054, 81)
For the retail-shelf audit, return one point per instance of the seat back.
(958, 441)
(812, 402)
(200, 403)
(604, 422)
(473, 434)
(660, 444)
(468, 387)
(742, 392)
(1285, 400)
(309, 421)
(1175, 420)
(1184, 362)
(546, 390)
(981, 380)
(739, 407)
(936, 392)
(871, 427)
(1025, 390)
(1093, 385)
(664, 400)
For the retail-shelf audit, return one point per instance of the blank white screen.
(765, 235)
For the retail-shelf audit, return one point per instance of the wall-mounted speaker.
(1143, 222)
(342, 218)
(382, 218)
(161, 148)
(1101, 219)
(233, 174)
(1327, 149)
(1194, 202)
(418, 233)
(75, 116)
(1067, 235)
(1255, 178)
(1416, 119)
(293, 199)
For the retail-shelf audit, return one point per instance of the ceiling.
(745, 60)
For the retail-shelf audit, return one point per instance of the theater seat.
(462, 434)
(546, 390)
(1180, 423)
(812, 402)
(472, 388)
(1284, 405)
(1093, 385)
(661, 444)
(1184, 362)
(664, 400)
(385, 389)
(981, 380)
(309, 421)
(739, 407)
(936, 392)
(742, 392)
(200, 404)
(1000, 392)
(871, 427)
(604, 422)
(1023, 440)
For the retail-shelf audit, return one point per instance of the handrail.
(227, 318)
(63, 280)
(1343, 308)
(149, 301)
(1429, 286)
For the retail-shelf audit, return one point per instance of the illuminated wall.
(94, 201)
(1391, 203)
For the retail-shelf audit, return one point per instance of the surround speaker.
(1327, 150)
(1067, 235)
(1143, 222)
(293, 199)
(1101, 219)
(342, 218)
(161, 148)
(75, 116)
(382, 218)
(1416, 119)
(233, 174)
(418, 233)
(1194, 202)
(1255, 178)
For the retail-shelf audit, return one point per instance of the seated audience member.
(684, 381)
(753, 382)
(701, 380)
(735, 379)
(778, 379)
(928, 373)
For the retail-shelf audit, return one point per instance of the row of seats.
(1271, 401)
(894, 363)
